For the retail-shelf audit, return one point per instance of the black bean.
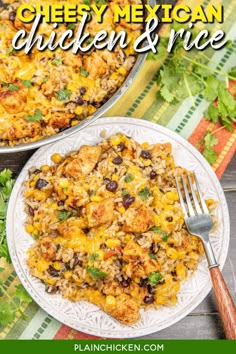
(143, 282)
(40, 183)
(154, 247)
(125, 283)
(162, 191)
(86, 230)
(121, 147)
(117, 160)
(169, 218)
(173, 273)
(52, 289)
(145, 154)
(37, 171)
(77, 261)
(128, 200)
(31, 211)
(79, 101)
(112, 186)
(151, 289)
(149, 299)
(82, 90)
(67, 266)
(60, 203)
(107, 180)
(12, 16)
(153, 174)
(52, 271)
(84, 285)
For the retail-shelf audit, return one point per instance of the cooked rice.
(109, 228)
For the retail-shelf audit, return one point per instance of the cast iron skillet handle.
(224, 302)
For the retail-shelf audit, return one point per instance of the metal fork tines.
(196, 214)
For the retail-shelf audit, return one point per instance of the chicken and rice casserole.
(109, 228)
(43, 93)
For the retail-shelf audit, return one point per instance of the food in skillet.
(46, 92)
(109, 227)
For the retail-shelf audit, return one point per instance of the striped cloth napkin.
(140, 101)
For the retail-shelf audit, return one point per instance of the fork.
(199, 223)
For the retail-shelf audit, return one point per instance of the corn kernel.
(111, 243)
(64, 183)
(172, 253)
(181, 254)
(95, 198)
(42, 265)
(74, 122)
(194, 255)
(210, 202)
(116, 141)
(122, 70)
(57, 158)
(115, 177)
(147, 163)
(57, 265)
(181, 271)
(121, 210)
(45, 168)
(110, 301)
(29, 229)
(37, 225)
(136, 280)
(67, 274)
(172, 196)
(114, 76)
(54, 206)
(50, 281)
(79, 110)
(145, 145)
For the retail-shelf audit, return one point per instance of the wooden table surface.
(204, 322)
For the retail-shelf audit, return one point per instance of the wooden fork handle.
(224, 302)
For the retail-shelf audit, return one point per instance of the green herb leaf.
(1, 269)
(63, 95)
(83, 72)
(93, 257)
(128, 178)
(45, 79)
(95, 273)
(210, 155)
(12, 87)
(5, 176)
(212, 113)
(71, 26)
(21, 294)
(10, 50)
(124, 192)
(210, 140)
(158, 230)
(144, 194)
(36, 117)
(154, 278)
(57, 61)
(26, 83)
(7, 314)
(63, 215)
(4, 84)
(152, 256)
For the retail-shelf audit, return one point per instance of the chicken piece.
(95, 66)
(126, 311)
(13, 101)
(48, 249)
(112, 288)
(138, 220)
(85, 161)
(60, 120)
(21, 128)
(78, 197)
(100, 212)
(139, 263)
(158, 149)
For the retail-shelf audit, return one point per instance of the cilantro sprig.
(182, 76)
(10, 305)
(154, 278)
(158, 230)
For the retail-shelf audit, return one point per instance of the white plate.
(84, 316)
